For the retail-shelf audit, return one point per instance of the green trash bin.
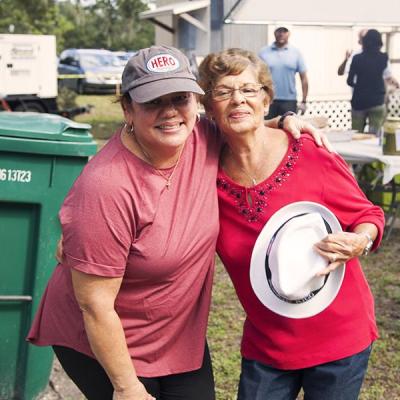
(40, 157)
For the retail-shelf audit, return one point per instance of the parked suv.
(91, 70)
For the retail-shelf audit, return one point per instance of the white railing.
(338, 112)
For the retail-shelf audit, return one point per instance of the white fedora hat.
(284, 263)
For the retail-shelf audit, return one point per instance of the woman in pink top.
(126, 310)
(262, 170)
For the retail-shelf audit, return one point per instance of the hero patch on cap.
(163, 63)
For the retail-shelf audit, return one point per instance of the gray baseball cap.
(156, 71)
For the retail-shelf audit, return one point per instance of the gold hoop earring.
(129, 128)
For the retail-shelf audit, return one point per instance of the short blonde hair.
(232, 62)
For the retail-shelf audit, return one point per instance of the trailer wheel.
(30, 106)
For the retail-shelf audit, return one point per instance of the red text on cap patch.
(163, 63)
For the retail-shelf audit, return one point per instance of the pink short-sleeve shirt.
(119, 219)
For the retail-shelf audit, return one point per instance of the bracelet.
(369, 244)
(282, 118)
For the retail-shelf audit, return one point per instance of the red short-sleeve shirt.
(347, 325)
(119, 219)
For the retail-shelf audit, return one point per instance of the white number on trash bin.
(15, 175)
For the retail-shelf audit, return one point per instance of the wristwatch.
(369, 245)
(282, 118)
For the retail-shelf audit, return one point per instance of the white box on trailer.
(28, 65)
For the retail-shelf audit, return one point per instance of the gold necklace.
(167, 178)
(252, 178)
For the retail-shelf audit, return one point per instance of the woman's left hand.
(296, 126)
(340, 247)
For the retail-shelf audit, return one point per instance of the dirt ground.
(60, 387)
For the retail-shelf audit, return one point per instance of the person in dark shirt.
(366, 78)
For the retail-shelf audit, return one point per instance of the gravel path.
(60, 386)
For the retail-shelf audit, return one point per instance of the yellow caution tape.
(70, 76)
(88, 75)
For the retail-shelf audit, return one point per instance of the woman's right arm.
(96, 297)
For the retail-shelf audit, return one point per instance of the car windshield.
(99, 60)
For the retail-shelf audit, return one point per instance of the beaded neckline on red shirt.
(260, 193)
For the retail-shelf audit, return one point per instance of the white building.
(323, 31)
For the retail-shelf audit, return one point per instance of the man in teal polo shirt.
(284, 61)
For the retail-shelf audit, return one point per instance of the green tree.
(121, 26)
(134, 30)
(111, 24)
(33, 17)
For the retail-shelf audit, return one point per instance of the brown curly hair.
(232, 62)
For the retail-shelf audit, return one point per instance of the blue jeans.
(337, 380)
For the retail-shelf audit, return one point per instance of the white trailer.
(28, 72)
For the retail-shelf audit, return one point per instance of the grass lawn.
(382, 270)
(105, 116)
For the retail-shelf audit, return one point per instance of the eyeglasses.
(248, 90)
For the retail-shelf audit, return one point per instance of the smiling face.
(165, 122)
(239, 114)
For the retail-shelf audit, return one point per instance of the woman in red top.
(261, 171)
